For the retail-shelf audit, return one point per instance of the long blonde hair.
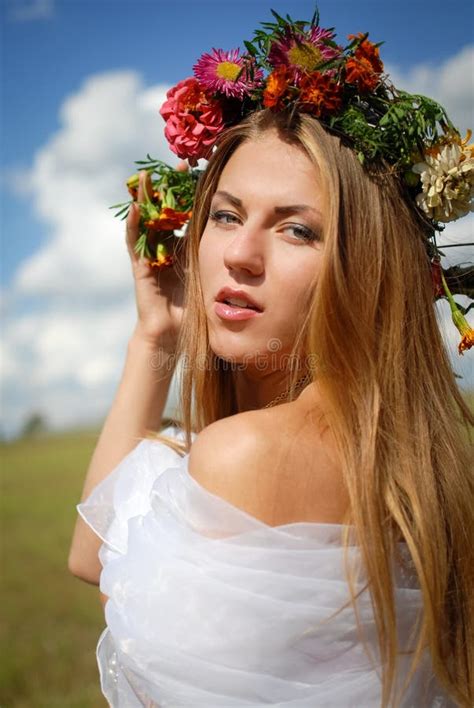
(391, 398)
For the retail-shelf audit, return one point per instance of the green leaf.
(463, 309)
(278, 18)
(141, 246)
(315, 17)
(126, 209)
(250, 48)
(170, 200)
(399, 111)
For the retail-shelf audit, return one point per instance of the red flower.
(163, 258)
(302, 52)
(193, 120)
(320, 94)
(365, 67)
(162, 262)
(275, 90)
(367, 50)
(168, 220)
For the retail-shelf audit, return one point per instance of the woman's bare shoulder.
(223, 448)
(276, 464)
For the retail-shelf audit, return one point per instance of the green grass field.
(51, 621)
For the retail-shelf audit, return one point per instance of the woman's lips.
(234, 312)
(228, 294)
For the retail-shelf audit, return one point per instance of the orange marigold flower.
(168, 220)
(163, 258)
(463, 326)
(162, 262)
(364, 68)
(277, 85)
(467, 341)
(368, 50)
(465, 330)
(320, 94)
(360, 73)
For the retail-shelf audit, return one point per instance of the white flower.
(447, 180)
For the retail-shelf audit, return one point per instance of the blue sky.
(59, 59)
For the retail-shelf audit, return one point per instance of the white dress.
(211, 608)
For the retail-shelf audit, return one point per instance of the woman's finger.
(133, 218)
(131, 233)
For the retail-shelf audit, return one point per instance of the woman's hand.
(159, 293)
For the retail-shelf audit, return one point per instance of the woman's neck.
(254, 391)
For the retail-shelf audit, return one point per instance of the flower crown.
(297, 65)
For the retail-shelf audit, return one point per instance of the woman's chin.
(233, 356)
(235, 352)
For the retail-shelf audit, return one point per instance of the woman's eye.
(303, 233)
(299, 232)
(223, 217)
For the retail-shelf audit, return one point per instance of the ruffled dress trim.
(210, 607)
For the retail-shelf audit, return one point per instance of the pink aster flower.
(193, 120)
(227, 73)
(303, 53)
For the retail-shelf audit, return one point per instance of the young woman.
(304, 537)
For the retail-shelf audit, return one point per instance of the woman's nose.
(245, 252)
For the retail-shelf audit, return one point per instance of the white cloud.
(64, 363)
(110, 122)
(455, 235)
(66, 354)
(449, 83)
(64, 345)
(29, 10)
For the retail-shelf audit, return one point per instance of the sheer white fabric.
(211, 608)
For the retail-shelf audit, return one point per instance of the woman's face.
(262, 237)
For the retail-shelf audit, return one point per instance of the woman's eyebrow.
(230, 198)
(295, 208)
(291, 208)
